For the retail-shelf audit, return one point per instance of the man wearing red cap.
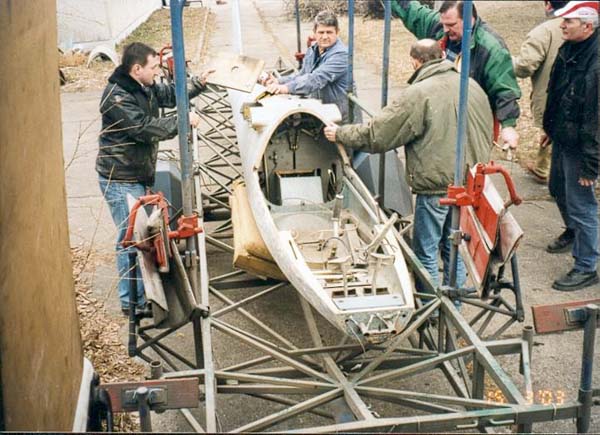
(571, 123)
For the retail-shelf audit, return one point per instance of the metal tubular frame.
(337, 384)
(387, 33)
(459, 172)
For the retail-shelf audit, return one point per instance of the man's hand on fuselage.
(330, 132)
(277, 89)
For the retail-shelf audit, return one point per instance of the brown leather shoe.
(538, 178)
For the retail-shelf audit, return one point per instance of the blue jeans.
(115, 195)
(430, 236)
(578, 207)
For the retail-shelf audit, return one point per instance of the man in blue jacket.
(324, 73)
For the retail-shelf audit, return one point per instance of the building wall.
(40, 345)
(87, 23)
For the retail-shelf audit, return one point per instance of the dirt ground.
(156, 32)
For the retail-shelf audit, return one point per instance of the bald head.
(425, 50)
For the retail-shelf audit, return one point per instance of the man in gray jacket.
(424, 120)
(535, 60)
(324, 73)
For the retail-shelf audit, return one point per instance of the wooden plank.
(176, 394)
(235, 71)
(553, 317)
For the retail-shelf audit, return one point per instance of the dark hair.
(326, 18)
(557, 4)
(136, 53)
(459, 5)
(425, 50)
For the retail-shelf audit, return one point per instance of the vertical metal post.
(528, 337)
(132, 342)
(186, 156)
(478, 379)
(514, 267)
(384, 89)
(525, 370)
(386, 52)
(142, 396)
(236, 27)
(350, 88)
(459, 166)
(585, 396)
(182, 103)
(298, 33)
(156, 369)
(183, 125)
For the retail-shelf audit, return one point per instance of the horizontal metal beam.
(462, 421)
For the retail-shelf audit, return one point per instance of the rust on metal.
(553, 317)
(165, 394)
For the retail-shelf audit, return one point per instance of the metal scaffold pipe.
(196, 251)
(183, 121)
(236, 27)
(386, 52)
(459, 166)
(384, 89)
(298, 33)
(586, 389)
(350, 88)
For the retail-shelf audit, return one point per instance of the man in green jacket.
(424, 120)
(491, 62)
(535, 60)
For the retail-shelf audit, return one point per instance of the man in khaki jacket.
(424, 120)
(535, 60)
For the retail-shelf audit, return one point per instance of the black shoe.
(125, 312)
(575, 280)
(562, 243)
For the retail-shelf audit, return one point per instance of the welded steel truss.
(433, 376)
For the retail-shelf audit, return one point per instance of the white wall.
(88, 23)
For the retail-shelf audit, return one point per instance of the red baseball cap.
(578, 9)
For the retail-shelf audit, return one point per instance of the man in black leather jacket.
(571, 123)
(128, 142)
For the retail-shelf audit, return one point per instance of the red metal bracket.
(167, 61)
(457, 195)
(464, 196)
(155, 199)
(493, 168)
(554, 317)
(187, 226)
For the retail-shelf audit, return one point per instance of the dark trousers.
(577, 205)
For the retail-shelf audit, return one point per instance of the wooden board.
(234, 71)
(41, 358)
(250, 252)
(553, 317)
